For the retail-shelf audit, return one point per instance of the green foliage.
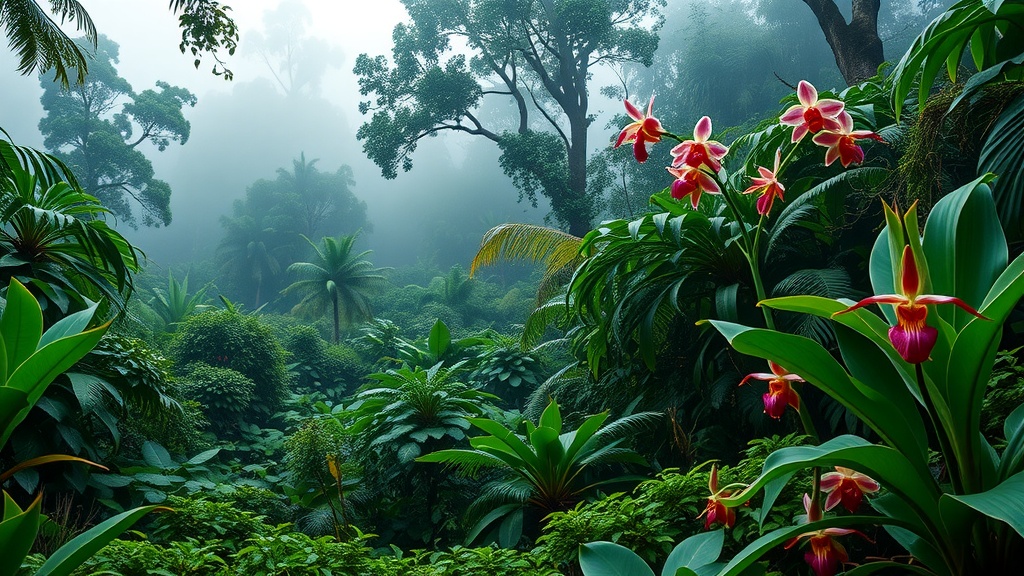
(547, 469)
(204, 521)
(1005, 392)
(318, 366)
(337, 280)
(225, 394)
(489, 561)
(175, 304)
(261, 502)
(54, 238)
(89, 128)
(429, 89)
(227, 339)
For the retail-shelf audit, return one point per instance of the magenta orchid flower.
(848, 487)
(826, 554)
(842, 142)
(911, 336)
(701, 151)
(768, 185)
(811, 115)
(692, 181)
(717, 512)
(645, 129)
(780, 392)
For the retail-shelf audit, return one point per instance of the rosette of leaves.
(508, 371)
(225, 394)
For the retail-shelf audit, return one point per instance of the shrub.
(228, 339)
(205, 521)
(226, 395)
(272, 507)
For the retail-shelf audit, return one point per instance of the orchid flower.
(692, 181)
(842, 142)
(717, 512)
(645, 128)
(700, 151)
(847, 487)
(811, 115)
(911, 336)
(825, 555)
(780, 393)
(768, 184)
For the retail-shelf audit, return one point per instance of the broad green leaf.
(11, 403)
(1005, 502)
(872, 402)
(21, 325)
(551, 417)
(73, 554)
(490, 518)
(610, 559)
(17, 533)
(912, 483)
(68, 326)
(1013, 454)
(157, 456)
(893, 567)
(758, 548)
(696, 551)
(511, 529)
(439, 340)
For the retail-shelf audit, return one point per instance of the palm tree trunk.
(334, 301)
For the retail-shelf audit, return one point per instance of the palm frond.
(529, 242)
(39, 42)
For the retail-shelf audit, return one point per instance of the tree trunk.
(337, 330)
(855, 45)
(578, 213)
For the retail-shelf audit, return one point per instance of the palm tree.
(250, 250)
(339, 278)
(40, 43)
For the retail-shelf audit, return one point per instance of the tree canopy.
(537, 53)
(98, 126)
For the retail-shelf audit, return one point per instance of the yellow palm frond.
(557, 250)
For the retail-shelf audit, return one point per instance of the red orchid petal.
(845, 122)
(826, 139)
(640, 150)
(756, 184)
(866, 483)
(806, 93)
(765, 173)
(849, 152)
(831, 108)
(632, 111)
(913, 345)
(933, 299)
(778, 161)
(628, 134)
(650, 105)
(831, 155)
(695, 197)
(833, 498)
(777, 369)
(799, 132)
(717, 149)
(880, 299)
(764, 203)
(793, 116)
(702, 131)
(831, 480)
(910, 276)
(757, 376)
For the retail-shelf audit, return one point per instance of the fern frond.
(556, 249)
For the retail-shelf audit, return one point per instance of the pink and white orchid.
(692, 181)
(911, 336)
(780, 392)
(768, 184)
(645, 129)
(811, 115)
(701, 151)
(848, 487)
(842, 142)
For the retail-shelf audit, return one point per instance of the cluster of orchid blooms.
(697, 167)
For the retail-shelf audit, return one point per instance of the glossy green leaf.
(21, 325)
(1013, 454)
(610, 559)
(157, 456)
(696, 551)
(71, 555)
(439, 340)
(872, 402)
(17, 533)
(1005, 502)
